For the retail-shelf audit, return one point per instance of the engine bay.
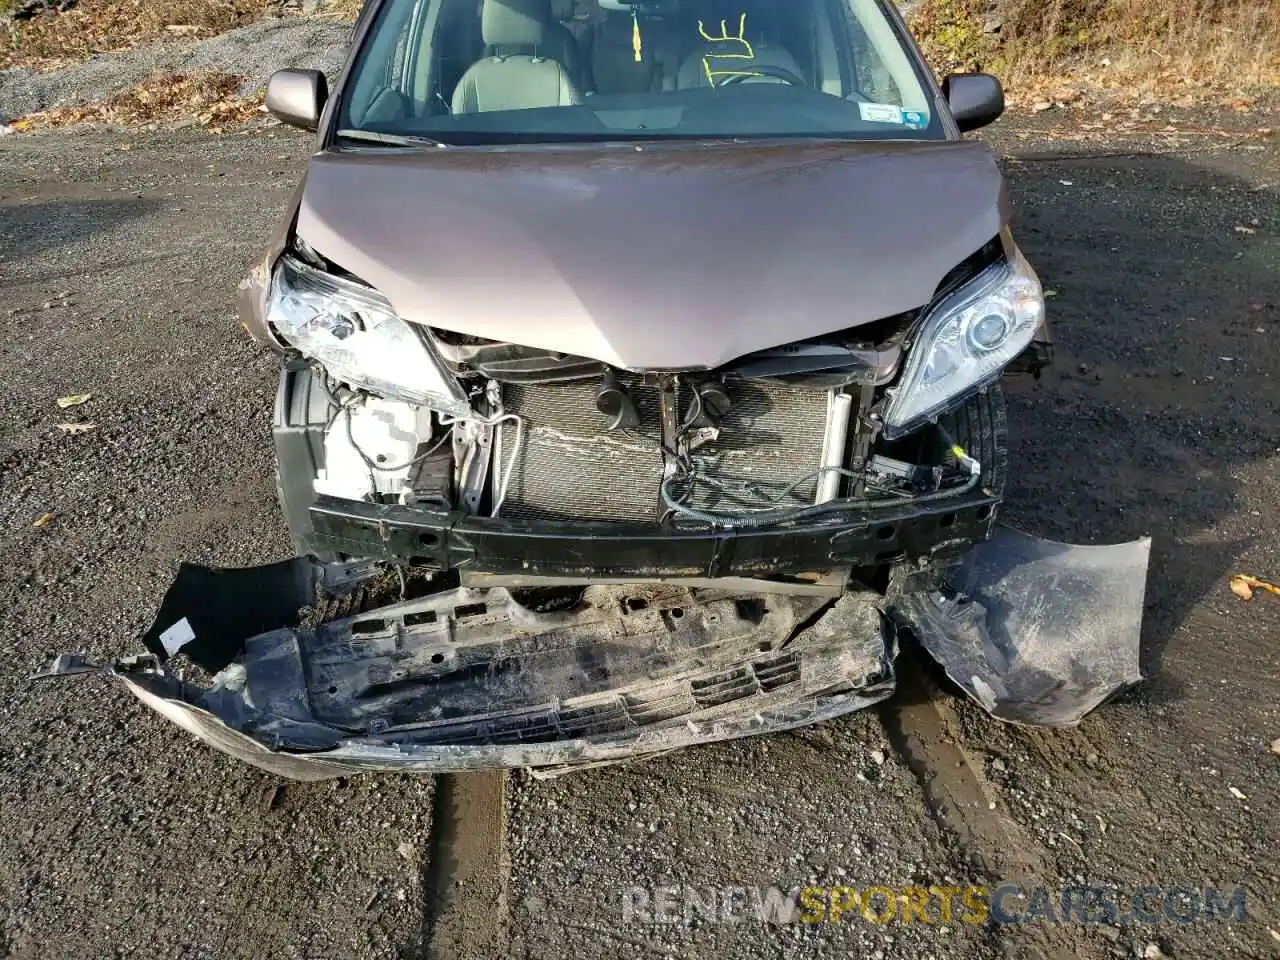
(682, 450)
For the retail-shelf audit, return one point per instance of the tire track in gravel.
(466, 873)
(924, 731)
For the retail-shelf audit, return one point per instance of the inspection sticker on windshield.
(880, 112)
(915, 119)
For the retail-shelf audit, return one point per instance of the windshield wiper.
(389, 139)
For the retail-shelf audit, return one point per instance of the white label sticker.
(177, 637)
(880, 112)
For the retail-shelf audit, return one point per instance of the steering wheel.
(765, 70)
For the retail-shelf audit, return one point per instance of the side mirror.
(976, 99)
(297, 97)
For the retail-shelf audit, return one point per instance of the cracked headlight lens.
(355, 334)
(965, 342)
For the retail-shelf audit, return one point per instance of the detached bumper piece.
(564, 678)
(1037, 632)
(472, 679)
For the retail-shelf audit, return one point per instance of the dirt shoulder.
(1167, 272)
(123, 836)
(248, 54)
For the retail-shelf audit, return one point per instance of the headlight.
(965, 342)
(354, 332)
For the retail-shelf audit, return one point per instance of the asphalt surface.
(120, 835)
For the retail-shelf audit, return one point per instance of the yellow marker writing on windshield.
(637, 44)
(748, 53)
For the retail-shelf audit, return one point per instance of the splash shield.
(308, 685)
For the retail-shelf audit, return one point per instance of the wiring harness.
(760, 508)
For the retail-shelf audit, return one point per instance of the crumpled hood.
(652, 257)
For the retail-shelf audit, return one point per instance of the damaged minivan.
(641, 369)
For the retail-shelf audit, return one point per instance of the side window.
(381, 94)
(395, 71)
(871, 77)
(458, 45)
(882, 69)
(413, 59)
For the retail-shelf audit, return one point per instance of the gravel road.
(253, 52)
(119, 254)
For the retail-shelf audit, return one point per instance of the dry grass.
(342, 9)
(208, 98)
(52, 39)
(94, 26)
(1176, 49)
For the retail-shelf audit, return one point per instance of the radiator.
(571, 468)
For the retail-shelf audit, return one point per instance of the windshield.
(515, 71)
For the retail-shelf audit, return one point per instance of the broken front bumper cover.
(471, 678)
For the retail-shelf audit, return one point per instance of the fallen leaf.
(1067, 183)
(1238, 794)
(1243, 585)
(74, 400)
(1247, 231)
(1241, 588)
(1275, 934)
(43, 519)
(1050, 293)
(1275, 746)
(72, 429)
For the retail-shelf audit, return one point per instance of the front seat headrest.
(515, 23)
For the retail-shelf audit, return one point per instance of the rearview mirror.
(976, 99)
(297, 97)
